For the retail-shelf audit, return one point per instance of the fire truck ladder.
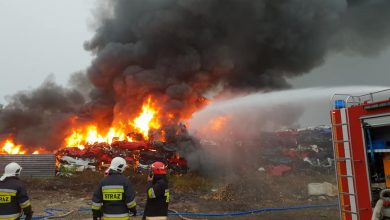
(352, 208)
(349, 175)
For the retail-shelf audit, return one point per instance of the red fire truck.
(361, 141)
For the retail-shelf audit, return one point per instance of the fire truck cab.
(361, 142)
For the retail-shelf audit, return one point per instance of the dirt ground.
(195, 193)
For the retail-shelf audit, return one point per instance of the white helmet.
(118, 164)
(12, 169)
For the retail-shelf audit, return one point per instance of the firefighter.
(13, 195)
(114, 198)
(157, 193)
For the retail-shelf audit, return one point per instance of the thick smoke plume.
(177, 51)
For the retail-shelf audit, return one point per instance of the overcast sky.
(342, 69)
(44, 37)
(39, 38)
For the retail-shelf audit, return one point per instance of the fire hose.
(51, 212)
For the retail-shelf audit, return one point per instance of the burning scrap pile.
(139, 154)
(145, 144)
(87, 147)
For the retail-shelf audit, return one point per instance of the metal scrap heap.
(139, 155)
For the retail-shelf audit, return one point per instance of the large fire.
(9, 147)
(91, 134)
(128, 136)
(147, 119)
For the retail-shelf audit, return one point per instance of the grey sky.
(39, 38)
(342, 69)
(45, 37)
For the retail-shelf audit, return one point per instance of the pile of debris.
(297, 149)
(276, 152)
(139, 155)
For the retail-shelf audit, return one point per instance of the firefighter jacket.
(157, 197)
(114, 197)
(14, 199)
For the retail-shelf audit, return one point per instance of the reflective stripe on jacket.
(115, 216)
(10, 217)
(114, 196)
(13, 198)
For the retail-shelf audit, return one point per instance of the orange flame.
(90, 134)
(147, 119)
(9, 147)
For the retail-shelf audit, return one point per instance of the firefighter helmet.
(159, 168)
(12, 169)
(118, 164)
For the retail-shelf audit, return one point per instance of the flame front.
(9, 147)
(147, 119)
(91, 134)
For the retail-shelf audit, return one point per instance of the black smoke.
(39, 118)
(177, 51)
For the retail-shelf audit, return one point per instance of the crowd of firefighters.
(114, 198)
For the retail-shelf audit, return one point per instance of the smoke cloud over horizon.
(178, 51)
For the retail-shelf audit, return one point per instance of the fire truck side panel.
(356, 113)
(363, 189)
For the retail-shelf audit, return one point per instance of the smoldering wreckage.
(139, 154)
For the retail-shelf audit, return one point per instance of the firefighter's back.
(114, 198)
(112, 187)
(13, 198)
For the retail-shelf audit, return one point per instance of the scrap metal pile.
(297, 150)
(138, 154)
